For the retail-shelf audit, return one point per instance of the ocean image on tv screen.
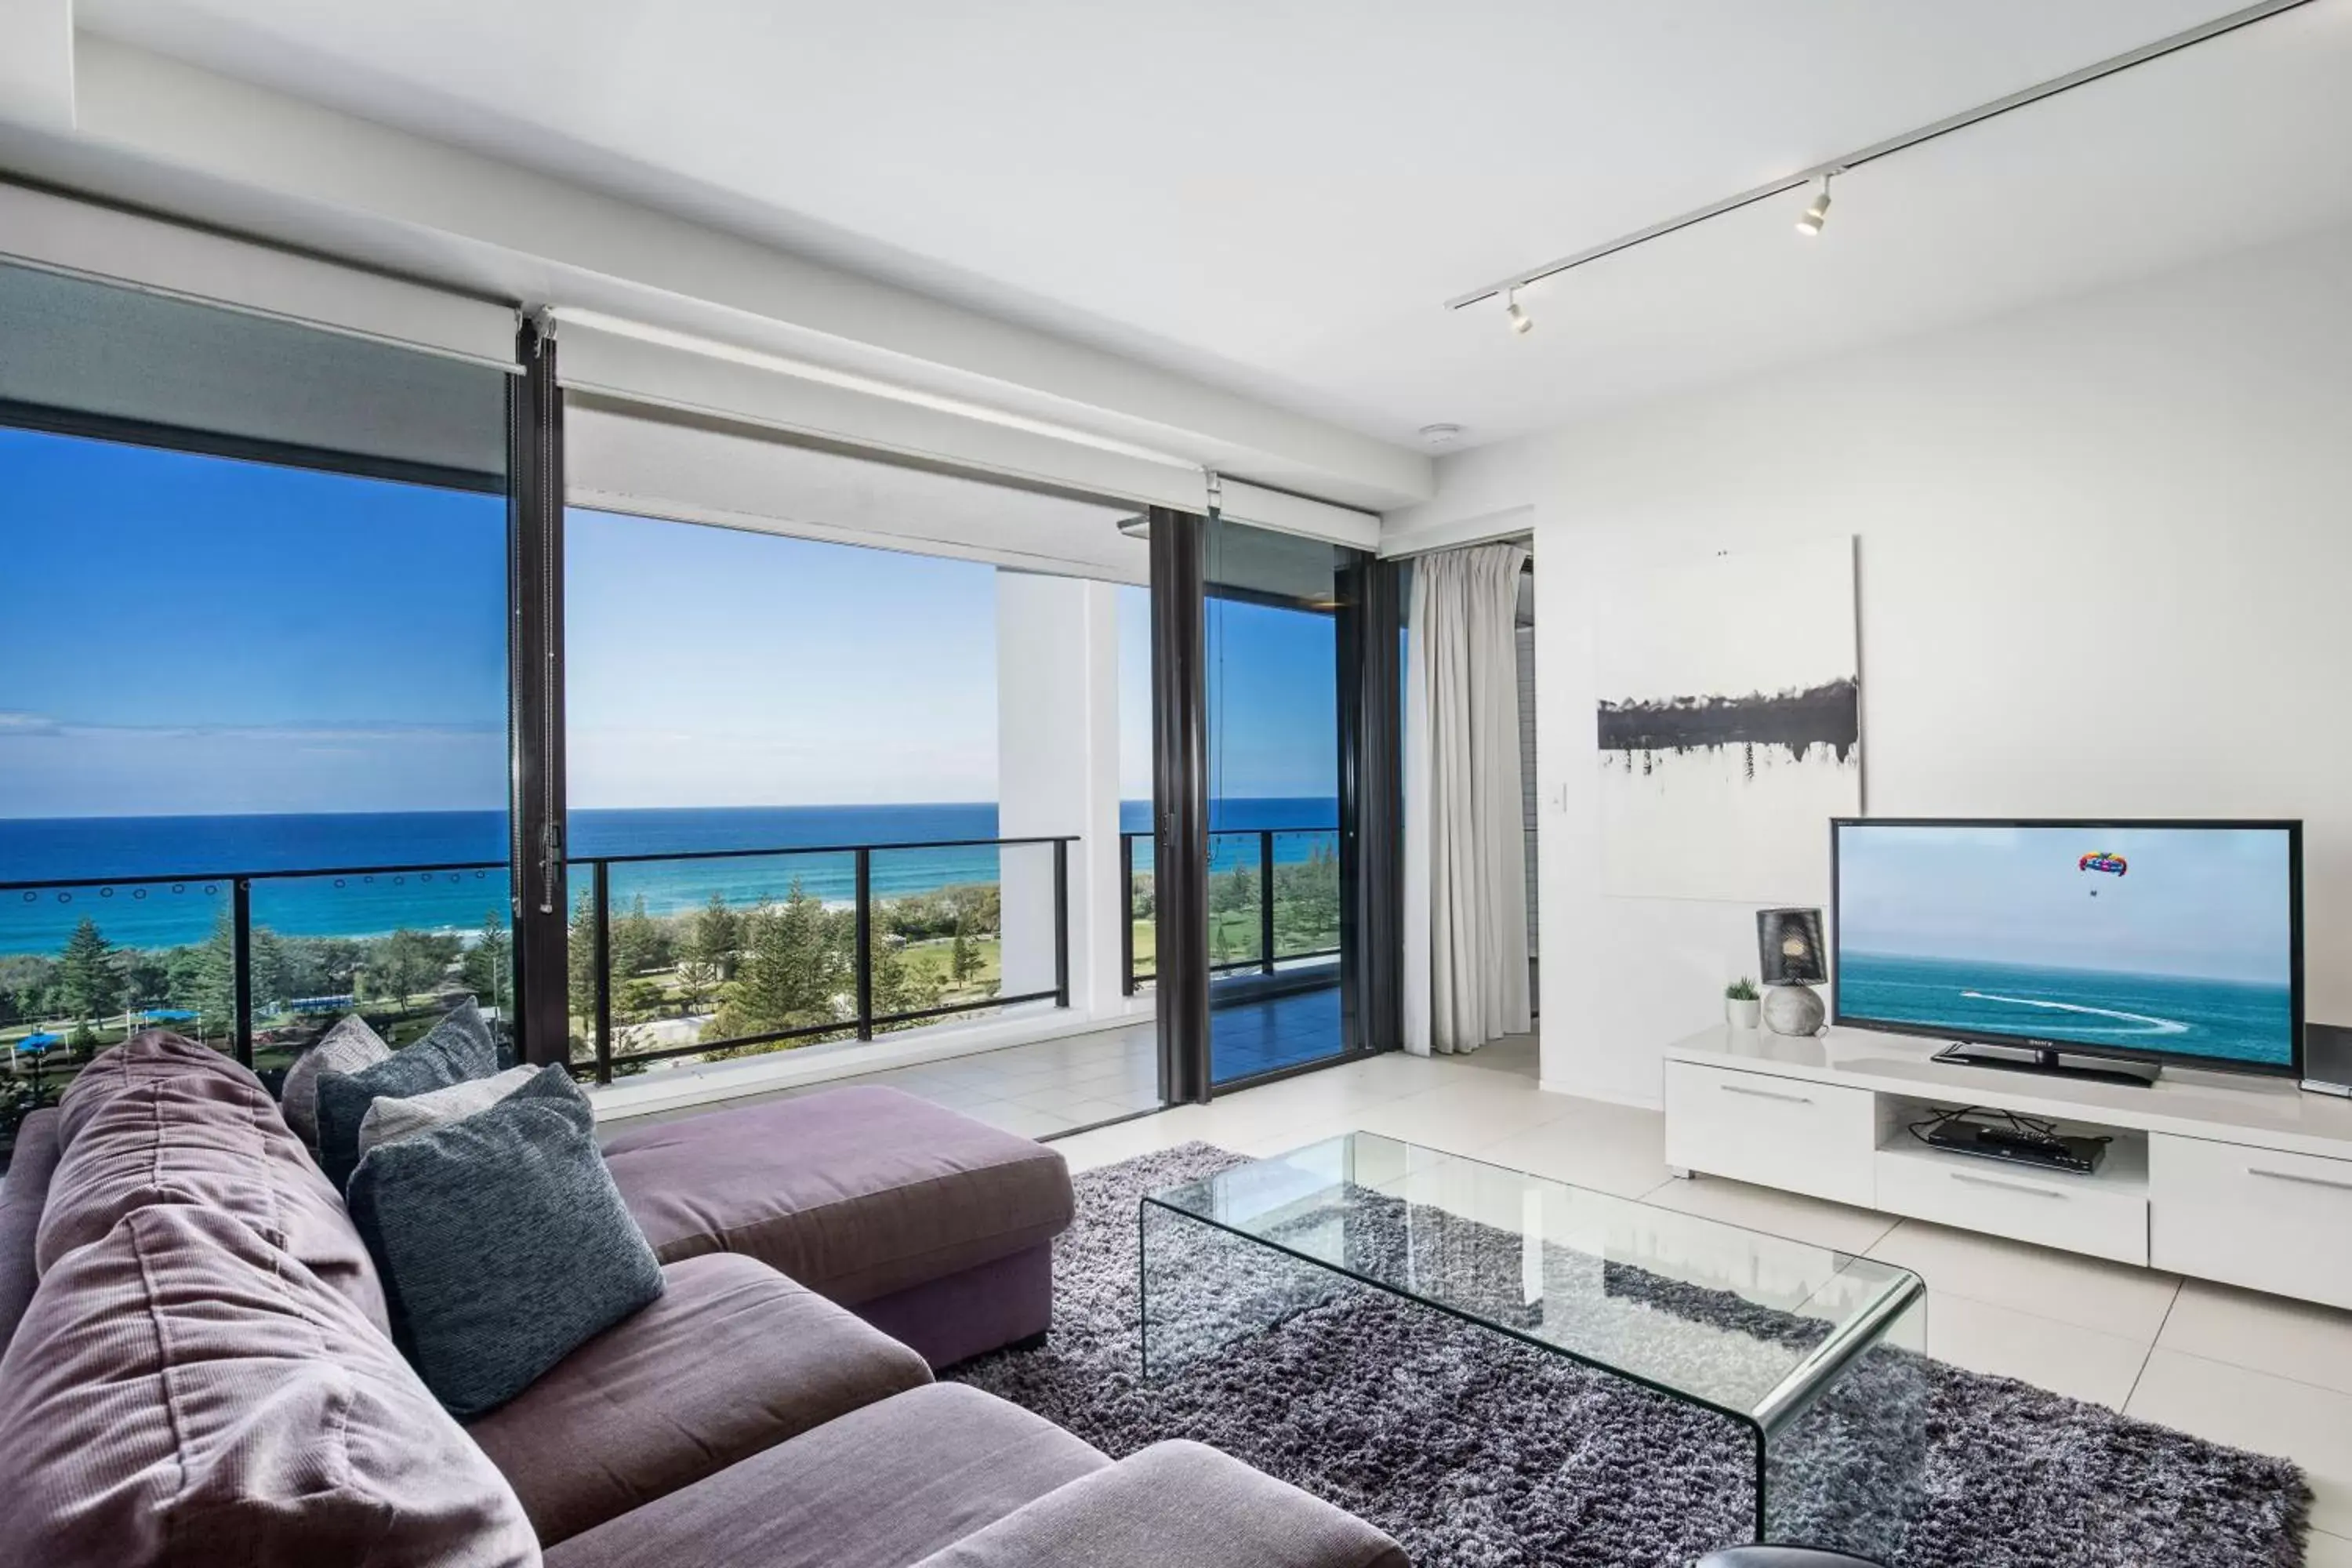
(2163, 940)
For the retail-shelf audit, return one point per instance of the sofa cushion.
(182, 1393)
(24, 1190)
(883, 1487)
(1175, 1505)
(216, 1142)
(456, 1048)
(502, 1244)
(855, 1192)
(734, 1358)
(389, 1120)
(145, 1058)
(350, 1046)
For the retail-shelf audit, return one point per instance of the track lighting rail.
(2246, 17)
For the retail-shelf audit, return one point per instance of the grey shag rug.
(1476, 1451)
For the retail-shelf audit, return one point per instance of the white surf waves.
(2154, 1025)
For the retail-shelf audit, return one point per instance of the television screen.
(2149, 939)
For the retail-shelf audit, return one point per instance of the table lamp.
(1788, 950)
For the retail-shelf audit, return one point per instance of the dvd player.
(2050, 1151)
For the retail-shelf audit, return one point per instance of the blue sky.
(2205, 903)
(194, 636)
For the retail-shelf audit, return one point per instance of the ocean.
(192, 851)
(2152, 1013)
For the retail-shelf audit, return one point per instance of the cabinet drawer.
(2080, 1214)
(2247, 1216)
(1808, 1138)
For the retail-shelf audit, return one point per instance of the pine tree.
(580, 960)
(964, 954)
(786, 978)
(897, 987)
(639, 943)
(711, 937)
(488, 965)
(211, 989)
(87, 978)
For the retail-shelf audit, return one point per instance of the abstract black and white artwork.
(1729, 724)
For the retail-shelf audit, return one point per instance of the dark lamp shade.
(1789, 947)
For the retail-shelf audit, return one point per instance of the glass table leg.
(1848, 1471)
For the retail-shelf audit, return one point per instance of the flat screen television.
(2148, 942)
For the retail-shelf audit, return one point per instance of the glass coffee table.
(1816, 1354)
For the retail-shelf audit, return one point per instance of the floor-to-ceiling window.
(843, 795)
(252, 701)
(1271, 676)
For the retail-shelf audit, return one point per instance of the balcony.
(712, 955)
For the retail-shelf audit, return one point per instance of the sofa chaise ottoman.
(936, 1228)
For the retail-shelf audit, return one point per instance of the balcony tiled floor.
(1052, 1087)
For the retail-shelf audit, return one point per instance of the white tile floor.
(2229, 1366)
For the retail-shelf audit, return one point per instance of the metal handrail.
(864, 1022)
(1267, 957)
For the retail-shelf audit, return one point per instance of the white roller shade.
(1285, 513)
(650, 465)
(91, 241)
(810, 402)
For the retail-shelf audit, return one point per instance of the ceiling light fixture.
(1441, 435)
(1521, 322)
(1819, 213)
(2206, 32)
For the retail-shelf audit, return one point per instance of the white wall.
(2105, 549)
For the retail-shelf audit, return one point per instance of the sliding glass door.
(1278, 870)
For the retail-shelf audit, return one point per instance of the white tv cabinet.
(2247, 1180)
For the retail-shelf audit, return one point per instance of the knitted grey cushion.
(502, 1242)
(388, 1121)
(350, 1046)
(458, 1047)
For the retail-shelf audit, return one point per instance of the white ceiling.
(1277, 195)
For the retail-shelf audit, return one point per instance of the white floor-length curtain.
(1466, 874)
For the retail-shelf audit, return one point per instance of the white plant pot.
(1742, 1015)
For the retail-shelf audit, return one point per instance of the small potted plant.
(1741, 1007)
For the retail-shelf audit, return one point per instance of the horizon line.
(577, 810)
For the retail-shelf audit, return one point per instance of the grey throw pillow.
(502, 1242)
(458, 1047)
(388, 1121)
(350, 1046)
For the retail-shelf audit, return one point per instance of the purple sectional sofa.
(194, 1369)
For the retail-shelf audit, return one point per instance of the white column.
(1057, 772)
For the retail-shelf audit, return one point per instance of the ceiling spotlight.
(1819, 213)
(1521, 322)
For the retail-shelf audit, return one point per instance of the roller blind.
(622, 370)
(151, 364)
(629, 459)
(63, 234)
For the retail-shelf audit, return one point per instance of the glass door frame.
(1368, 622)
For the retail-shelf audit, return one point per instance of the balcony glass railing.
(735, 952)
(1274, 900)
(709, 954)
(251, 962)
